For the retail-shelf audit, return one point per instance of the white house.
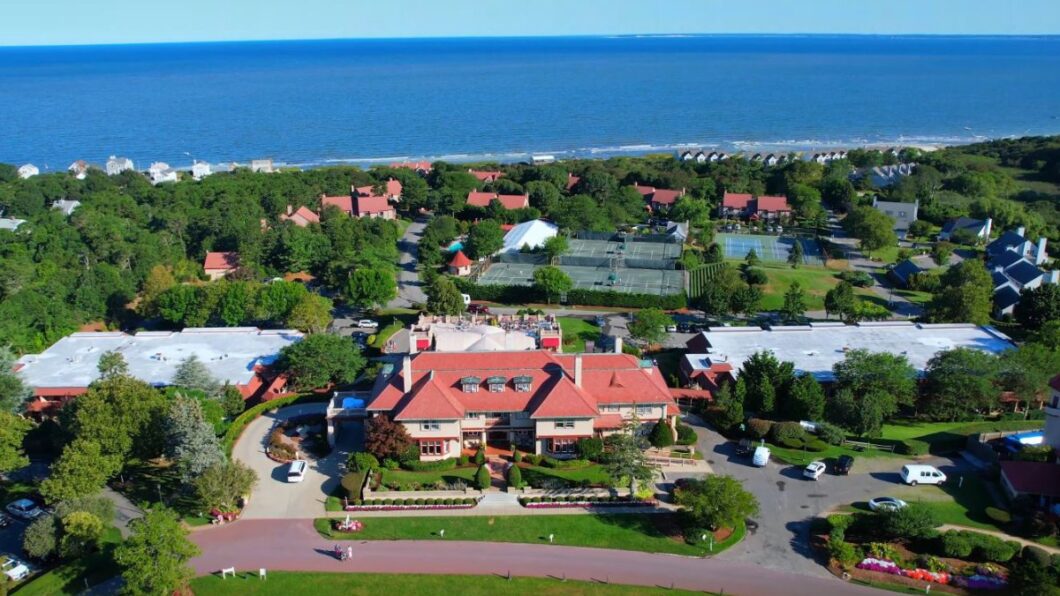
(10, 223)
(28, 171)
(200, 170)
(264, 166)
(79, 169)
(160, 172)
(66, 206)
(117, 165)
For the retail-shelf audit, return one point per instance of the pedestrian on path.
(349, 552)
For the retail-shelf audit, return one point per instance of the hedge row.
(601, 499)
(240, 423)
(416, 465)
(526, 294)
(417, 502)
(976, 546)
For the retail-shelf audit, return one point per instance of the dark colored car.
(684, 327)
(843, 464)
(745, 447)
(478, 309)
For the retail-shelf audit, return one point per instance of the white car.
(814, 470)
(367, 324)
(296, 470)
(671, 328)
(887, 504)
(914, 474)
(760, 457)
(24, 509)
(14, 569)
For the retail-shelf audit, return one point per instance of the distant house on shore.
(79, 169)
(263, 166)
(219, 264)
(391, 190)
(903, 214)
(117, 165)
(160, 172)
(485, 176)
(483, 199)
(978, 228)
(66, 206)
(301, 217)
(10, 223)
(28, 171)
(200, 170)
(420, 167)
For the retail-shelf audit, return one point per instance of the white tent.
(530, 233)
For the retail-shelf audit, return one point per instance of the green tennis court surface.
(769, 248)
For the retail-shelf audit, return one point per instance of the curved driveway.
(293, 545)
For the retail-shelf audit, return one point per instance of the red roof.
(1032, 478)
(393, 187)
(460, 260)
(485, 176)
(606, 378)
(692, 394)
(768, 203)
(424, 166)
(221, 261)
(301, 216)
(345, 204)
(363, 191)
(734, 200)
(572, 180)
(483, 199)
(666, 197)
(645, 191)
(370, 205)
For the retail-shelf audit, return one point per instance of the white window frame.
(427, 425)
(567, 423)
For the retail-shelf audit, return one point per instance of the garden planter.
(405, 507)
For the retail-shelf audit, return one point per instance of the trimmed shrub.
(590, 449)
(362, 462)
(998, 515)
(816, 445)
(686, 435)
(661, 435)
(517, 456)
(913, 447)
(391, 464)
(419, 501)
(844, 553)
(429, 466)
(759, 428)
(480, 457)
(482, 478)
(515, 477)
(1038, 554)
(468, 501)
(562, 464)
(351, 483)
(954, 545)
(788, 432)
(464, 460)
(830, 433)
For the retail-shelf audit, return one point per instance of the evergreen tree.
(443, 297)
(190, 440)
(752, 259)
(192, 373)
(154, 559)
(795, 257)
(661, 435)
(806, 401)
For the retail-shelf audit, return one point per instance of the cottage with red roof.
(361, 203)
(538, 400)
(572, 181)
(483, 199)
(391, 190)
(485, 176)
(420, 167)
(301, 217)
(460, 265)
(659, 198)
(746, 206)
(219, 264)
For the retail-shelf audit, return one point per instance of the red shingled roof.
(412, 165)
(370, 205)
(363, 191)
(483, 199)
(666, 197)
(735, 200)
(393, 187)
(485, 176)
(768, 203)
(224, 261)
(553, 392)
(1032, 478)
(300, 215)
(460, 260)
(345, 204)
(572, 180)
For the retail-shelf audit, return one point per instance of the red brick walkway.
(293, 545)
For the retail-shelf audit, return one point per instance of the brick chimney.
(578, 370)
(406, 373)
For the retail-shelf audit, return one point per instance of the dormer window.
(496, 384)
(470, 384)
(523, 384)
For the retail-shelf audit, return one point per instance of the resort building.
(483, 199)
(216, 265)
(903, 214)
(1038, 482)
(28, 171)
(747, 206)
(117, 165)
(815, 348)
(240, 356)
(529, 234)
(391, 190)
(160, 172)
(477, 333)
(538, 400)
(360, 205)
(659, 198)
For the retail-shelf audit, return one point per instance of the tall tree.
(82, 469)
(154, 559)
(192, 373)
(1038, 306)
(840, 300)
(959, 383)
(965, 295)
(650, 324)
(552, 281)
(873, 228)
(862, 371)
(222, 484)
(794, 302)
(121, 415)
(190, 440)
(484, 239)
(716, 502)
(556, 246)
(13, 430)
(311, 314)
(864, 415)
(729, 411)
(385, 438)
(13, 392)
(1027, 370)
(795, 257)
(443, 297)
(321, 359)
(112, 364)
(806, 401)
(624, 457)
(371, 287)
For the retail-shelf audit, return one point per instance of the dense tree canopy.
(320, 360)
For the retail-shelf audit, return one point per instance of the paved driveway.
(788, 502)
(274, 497)
(410, 288)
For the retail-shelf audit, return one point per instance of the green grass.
(371, 584)
(70, 578)
(467, 474)
(948, 436)
(815, 283)
(801, 457)
(919, 298)
(885, 255)
(646, 532)
(961, 506)
(594, 474)
(576, 332)
(144, 481)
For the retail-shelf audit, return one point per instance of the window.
(430, 425)
(522, 384)
(469, 388)
(496, 384)
(473, 415)
(562, 445)
(470, 384)
(564, 424)
(520, 415)
(611, 409)
(644, 410)
(432, 447)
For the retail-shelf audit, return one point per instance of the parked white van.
(296, 471)
(761, 456)
(916, 474)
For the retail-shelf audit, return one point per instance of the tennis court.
(661, 282)
(613, 248)
(768, 248)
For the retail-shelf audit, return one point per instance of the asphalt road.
(410, 288)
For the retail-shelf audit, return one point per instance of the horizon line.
(530, 36)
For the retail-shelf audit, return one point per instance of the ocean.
(311, 103)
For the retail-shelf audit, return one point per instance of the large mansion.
(536, 399)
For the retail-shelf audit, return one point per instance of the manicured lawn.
(467, 474)
(594, 473)
(576, 332)
(815, 283)
(885, 255)
(920, 298)
(647, 532)
(70, 578)
(948, 436)
(372, 584)
(963, 505)
(801, 457)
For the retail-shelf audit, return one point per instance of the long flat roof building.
(817, 347)
(232, 354)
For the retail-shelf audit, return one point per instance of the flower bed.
(578, 501)
(410, 504)
(219, 517)
(885, 566)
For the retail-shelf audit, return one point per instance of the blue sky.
(47, 22)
